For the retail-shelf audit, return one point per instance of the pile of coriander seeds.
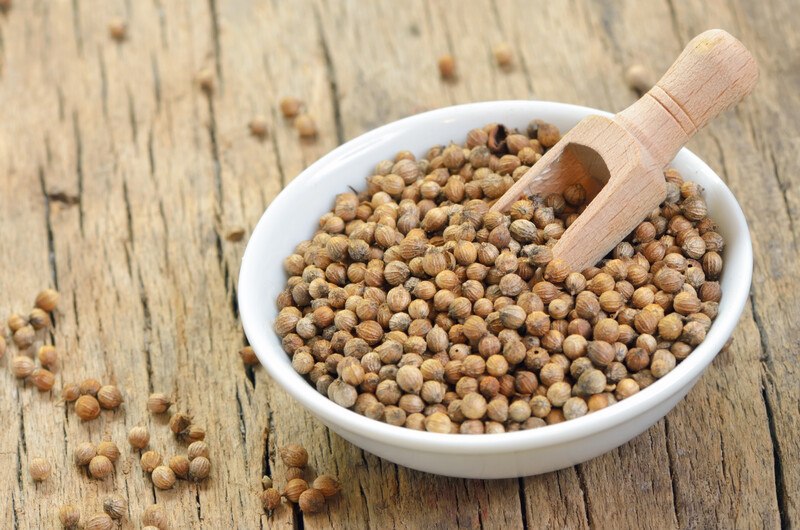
(415, 305)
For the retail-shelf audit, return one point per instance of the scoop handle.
(714, 72)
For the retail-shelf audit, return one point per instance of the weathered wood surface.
(119, 179)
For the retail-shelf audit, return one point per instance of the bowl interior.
(292, 217)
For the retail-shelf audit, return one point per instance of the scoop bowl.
(292, 217)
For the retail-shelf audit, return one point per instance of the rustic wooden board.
(120, 179)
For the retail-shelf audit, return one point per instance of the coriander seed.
(84, 453)
(117, 29)
(305, 126)
(328, 485)
(198, 448)
(205, 80)
(138, 437)
(163, 477)
(90, 387)
(258, 127)
(179, 422)
(179, 464)
(100, 521)
(109, 397)
(154, 515)
(70, 516)
(270, 499)
(447, 66)
(150, 460)
(15, 322)
(100, 467)
(199, 468)
(22, 366)
(108, 449)
(115, 506)
(43, 379)
(39, 469)
(503, 54)
(48, 356)
(290, 106)
(47, 300)
(70, 392)
(248, 356)
(24, 337)
(39, 319)
(294, 455)
(311, 501)
(87, 408)
(295, 488)
(158, 403)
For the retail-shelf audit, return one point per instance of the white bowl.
(292, 218)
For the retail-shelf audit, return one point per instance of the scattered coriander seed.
(447, 66)
(70, 392)
(43, 379)
(503, 54)
(90, 387)
(328, 485)
(199, 468)
(205, 79)
(294, 472)
(100, 467)
(39, 469)
(290, 106)
(198, 448)
(294, 455)
(195, 433)
(87, 408)
(117, 29)
(295, 488)
(179, 422)
(109, 397)
(48, 356)
(637, 78)
(22, 366)
(305, 126)
(258, 127)
(39, 319)
(15, 322)
(311, 501)
(158, 403)
(108, 449)
(70, 516)
(138, 437)
(270, 499)
(154, 515)
(179, 464)
(24, 337)
(150, 460)
(266, 482)
(84, 453)
(100, 521)
(115, 506)
(163, 477)
(47, 300)
(235, 234)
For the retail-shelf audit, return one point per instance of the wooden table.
(121, 179)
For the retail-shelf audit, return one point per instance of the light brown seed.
(48, 356)
(158, 403)
(87, 408)
(179, 422)
(109, 397)
(108, 449)
(295, 488)
(84, 453)
(90, 386)
(270, 499)
(199, 468)
(447, 66)
(117, 29)
(305, 126)
(290, 106)
(24, 337)
(39, 469)
(100, 467)
(311, 501)
(294, 455)
(163, 477)
(22, 366)
(100, 521)
(155, 516)
(198, 448)
(138, 437)
(70, 516)
(150, 460)
(248, 356)
(39, 319)
(115, 506)
(328, 485)
(179, 464)
(47, 300)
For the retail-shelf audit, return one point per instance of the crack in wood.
(331, 74)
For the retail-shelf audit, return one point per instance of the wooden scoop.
(620, 160)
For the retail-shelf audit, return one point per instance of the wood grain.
(121, 178)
